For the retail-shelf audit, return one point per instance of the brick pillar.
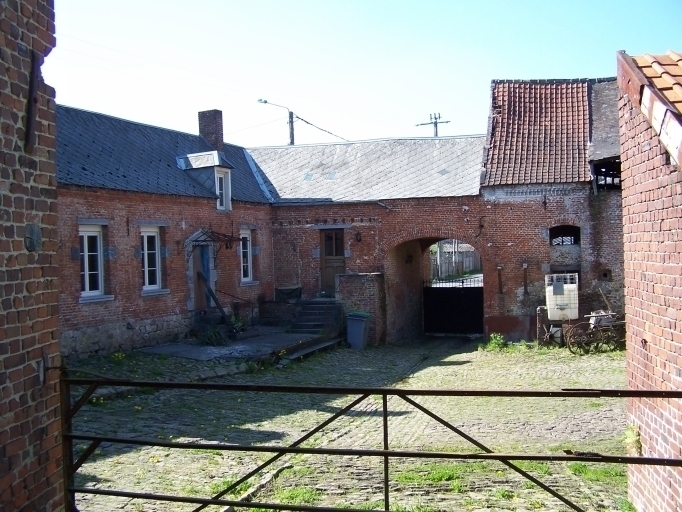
(365, 292)
(211, 128)
(30, 453)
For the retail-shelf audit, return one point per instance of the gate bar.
(315, 390)
(280, 452)
(578, 457)
(481, 446)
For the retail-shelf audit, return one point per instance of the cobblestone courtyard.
(530, 425)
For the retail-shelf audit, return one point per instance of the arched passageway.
(416, 303)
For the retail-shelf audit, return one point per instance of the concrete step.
(318, 346)
(307, 330)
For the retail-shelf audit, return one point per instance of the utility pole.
(434, 119)
(291, 119)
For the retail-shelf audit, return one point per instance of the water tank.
(562, 296)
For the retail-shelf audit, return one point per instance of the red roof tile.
(654, 84)
(538, 132)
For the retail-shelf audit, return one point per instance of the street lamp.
(291, 119)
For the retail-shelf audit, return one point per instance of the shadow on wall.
(404, 276)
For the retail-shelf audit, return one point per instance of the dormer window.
(222, 189)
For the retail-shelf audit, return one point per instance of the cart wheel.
(578, 339)
(614, 337)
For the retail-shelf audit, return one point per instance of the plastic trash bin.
(358, 329)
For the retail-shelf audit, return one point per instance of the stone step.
(316, 347)
(308, 325)
(306, 330)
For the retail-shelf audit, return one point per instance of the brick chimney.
(211, 128)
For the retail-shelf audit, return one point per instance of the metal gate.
(454, 306)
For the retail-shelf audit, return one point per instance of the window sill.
(218, 210)
(248, 283)
(95, 298)
(150, 293)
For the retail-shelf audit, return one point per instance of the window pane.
(151, 277)
(93, 281)
(93, 264)
(221, 191)
(246, 271)
(151, 260)
(339, 243)
(82, 261)
(92, 244)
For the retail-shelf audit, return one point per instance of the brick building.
(552, 191)
(650, 111)
(543, 198)
(539, 193)
(30, 467)
(142, 209)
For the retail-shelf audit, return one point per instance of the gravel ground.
(529, 425)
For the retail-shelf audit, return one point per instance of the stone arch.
(422, 233)
(404, 276)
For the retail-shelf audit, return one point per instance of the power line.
(321, 129)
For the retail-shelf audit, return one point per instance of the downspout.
(594, 178)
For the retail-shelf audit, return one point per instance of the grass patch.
(540, 468)
(504, 494)
(220, 486)
(611, 474)
(625, 506)
(297, 495)
(415, 508)
(437, 473)
(208, 451)
(298, 471)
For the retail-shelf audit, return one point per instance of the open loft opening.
(564, 235)
(606, 174)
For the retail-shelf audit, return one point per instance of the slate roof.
(539, 130)
(372, 170)
(101, 151)
(604, 136)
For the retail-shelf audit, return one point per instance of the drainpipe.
(594, 178)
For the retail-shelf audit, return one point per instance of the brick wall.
(128, 319)
(365, 292)
(652, 213)
(508, 226)
(30, 476)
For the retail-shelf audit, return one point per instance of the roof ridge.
(553, 80)
(367, 141)
(127, 120)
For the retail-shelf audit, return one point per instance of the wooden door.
(332, 258)
(200, 263)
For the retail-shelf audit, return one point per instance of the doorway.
(332, 259)
(201, 263)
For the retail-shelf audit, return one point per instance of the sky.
(360, 69)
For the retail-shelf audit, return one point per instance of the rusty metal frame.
(70, 467)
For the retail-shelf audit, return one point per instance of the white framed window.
(92, 275)
(245, 252)
(222, 189)
(151, 258)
